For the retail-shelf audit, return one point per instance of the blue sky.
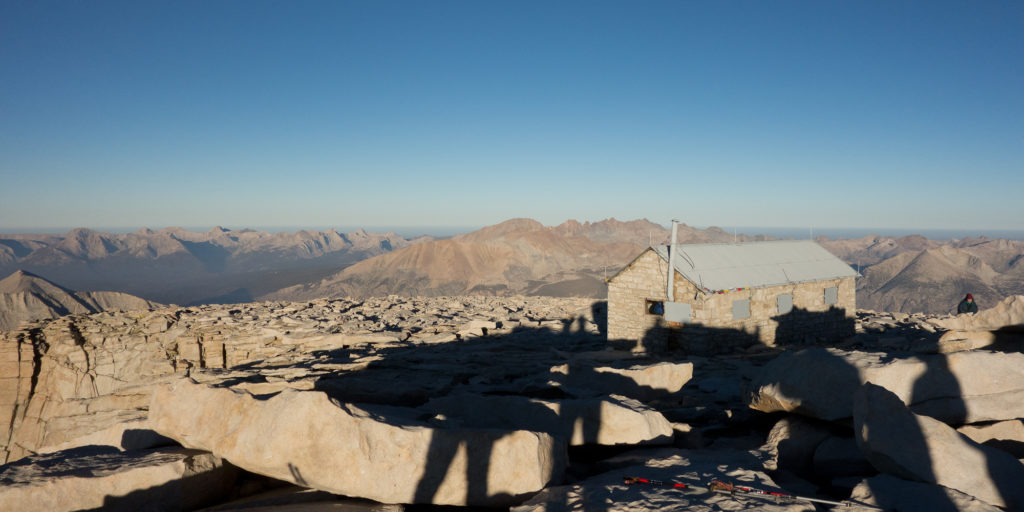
(379, 113)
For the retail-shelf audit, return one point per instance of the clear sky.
(435, 113)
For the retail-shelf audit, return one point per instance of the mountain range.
(914, 274)
(516, 257)
(177, 266)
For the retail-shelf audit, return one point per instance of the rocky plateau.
(506, 403)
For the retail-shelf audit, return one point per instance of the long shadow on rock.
(404, 378)
(796, 330)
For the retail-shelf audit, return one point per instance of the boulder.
(95, 478)
(1005, 435)
(957, 341)
(791, 444)
(477, 328)
(127, 435)
(1008, 313)
(444, 337)
(956, 388)
(305, 438)
(1010, 339)
(891, 493)
(613, 420)
(900, 443)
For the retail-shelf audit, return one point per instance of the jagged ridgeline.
(176, 266)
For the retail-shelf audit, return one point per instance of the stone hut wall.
(712, 327)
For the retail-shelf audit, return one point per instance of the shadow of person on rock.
(599, 314)
(412, 376)
(843, 375)
(567, 404)
(474, 451)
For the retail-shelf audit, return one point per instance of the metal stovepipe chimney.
(672, 262)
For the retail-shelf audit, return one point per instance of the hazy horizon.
(833, 233)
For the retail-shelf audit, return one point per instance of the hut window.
(740, 309)
(785, 303)
(655, 307)
(831, 295)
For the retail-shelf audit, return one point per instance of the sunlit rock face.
(305, 438)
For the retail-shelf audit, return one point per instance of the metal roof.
(715, 267)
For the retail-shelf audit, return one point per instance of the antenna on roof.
(672, 262)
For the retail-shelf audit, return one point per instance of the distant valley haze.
(412, 231)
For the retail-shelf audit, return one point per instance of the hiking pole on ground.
(719, 487)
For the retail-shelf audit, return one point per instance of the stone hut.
(729, 296)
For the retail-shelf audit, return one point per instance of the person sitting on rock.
(967, 305)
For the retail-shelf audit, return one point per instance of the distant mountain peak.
(31, 297)
(22, 281)
(82, 232)
(519, 255)
(518, 225)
